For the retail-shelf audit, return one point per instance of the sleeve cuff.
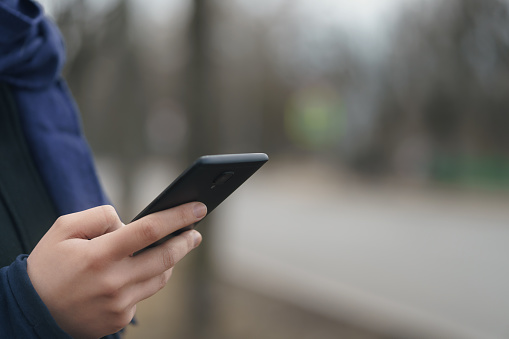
(30, 304)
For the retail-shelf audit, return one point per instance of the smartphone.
(210, 180)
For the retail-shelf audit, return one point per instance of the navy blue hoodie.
(31, 58)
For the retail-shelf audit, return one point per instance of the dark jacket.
(46, 167)
(26, 213)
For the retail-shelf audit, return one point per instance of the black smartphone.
(210, 180)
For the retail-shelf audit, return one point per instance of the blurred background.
(384, 210)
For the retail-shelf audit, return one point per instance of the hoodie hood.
(31, 47)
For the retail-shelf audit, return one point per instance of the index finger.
(147, 230)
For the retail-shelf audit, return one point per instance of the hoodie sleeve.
(23, 315)
(22, 312)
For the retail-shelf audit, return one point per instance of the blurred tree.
(202, 139)
(105, 77)
(446, 83)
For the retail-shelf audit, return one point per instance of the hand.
(84, 271)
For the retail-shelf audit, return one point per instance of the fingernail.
(196, 238)
(199, 210)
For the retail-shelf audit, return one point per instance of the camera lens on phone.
(222, 178)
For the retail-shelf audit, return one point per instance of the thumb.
(90, 223)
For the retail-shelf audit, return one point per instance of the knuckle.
(110, 288)
(182, 216)
(169, 258)
(167, 275)
(121, 318)
(159, 282)
(163, 280)
(120, 315)
(117, 308)
(62, 222)
(148, 230)
(190, 241)
(109, 214)
(95, 262)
